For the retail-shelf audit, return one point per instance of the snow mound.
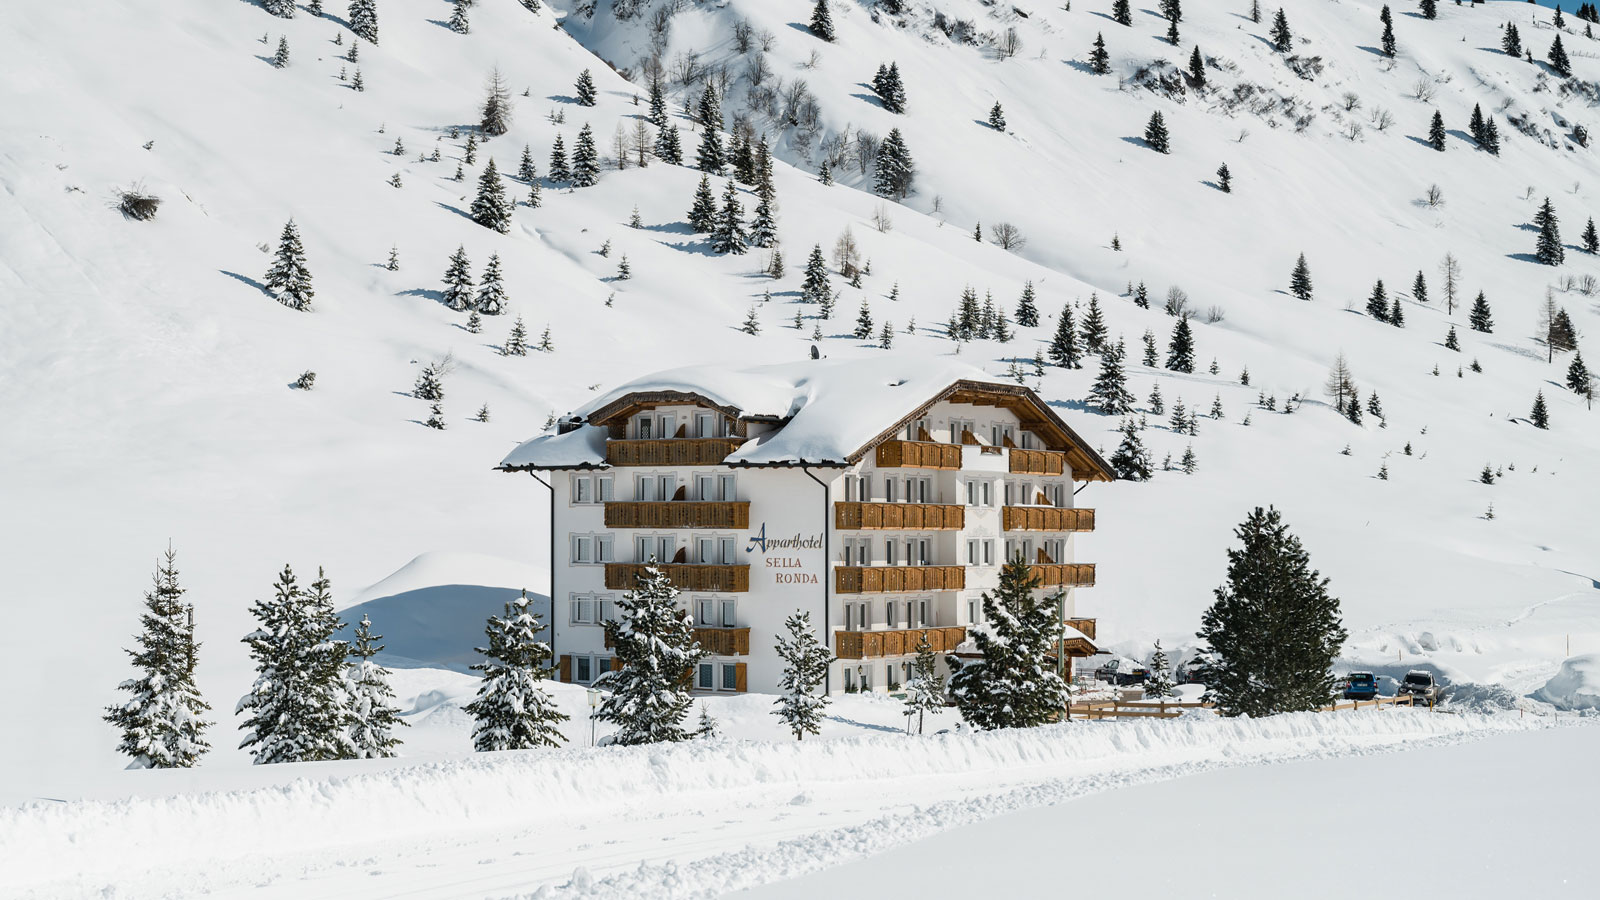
(1576, 686)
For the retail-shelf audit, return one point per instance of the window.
(1058, 494)
(583, 611)
(661, 547)
(730, 677)
(917, 430)
(988, 552)
(588, 549)
(849, 680)
(849, 617)
(583, 669)
(1010, 494)
(888, 614)
(1028, 442)
(864, 611)
(591, 488)
(986, 492)
(592, 609)
(858, 488)
(922, 614)
(972, 493)
(889, 485)
(974, 612)
(714, 487)
(713, 612)
(1000, 435)
(959, 428)
(704, 679)
(643, 428)
(888, 552)
(972, 553)
(858, 551)
(707, 425)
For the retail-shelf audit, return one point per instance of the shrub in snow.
(162, 722)
(654, 641)
(138, 204)
(306, 381)
(1014, 684)
(512, 712)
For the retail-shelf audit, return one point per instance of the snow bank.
(1576, 686)
(95, 842)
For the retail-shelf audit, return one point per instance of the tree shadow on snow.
(246, 279)
(1373, 50)
(1081, 66)
(668, 228)
(873, 99)
(425, 293)
(563, 98)
(442, 23)
(457, 210)
(699, 248)
(1139, 142)
(868, 725)
(1422, 141)
(1524, 257)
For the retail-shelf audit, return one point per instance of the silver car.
(1421, 687)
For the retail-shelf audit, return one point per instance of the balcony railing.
(1064, 575)
(731, 579)
(896, 579)
(724, 641)
(678, 514)
(671, 451)
(1086, 626)
(1046, 518)
(899, 516)
(869, 644)
(919, 455)
(1037, 462)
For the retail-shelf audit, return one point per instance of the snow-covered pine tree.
(1064, 350)
(1479, 317)
(1579, 381)
(1282, 37)
(1436, 132)
(460, 23)
(491, 289)
(585, 159)
(297, 709)
(1189, 464)
(280, 59)
(1300, 279)
(1151, 357)
(458, 281)
(559, 173)
(495, 116)
(1027, 311)
(864, 322)
(997, 117)
(654, 641)
(1397, 313)
(517, 341)
(1094, 331)
(163, 721)
(805, 666)
(894, 170)
(822, 21)
(1121, 14)
(814, 288)
(1224, 179)
(363, 16)
(658, 103)
(764, 226)
(373, 715)
(707, 729)
(1099, 59)
(1511, 42)
(1180, 349)
(708, 157)
(925, 687)
(728, 236)
(1548, 249)
(429, 384)
(1131, 461)
(1558, 59)
(1451, 342)
(1155, 133)
(584, 88)
(289, 280)
(1540, 416)
(512, 711)
(1386, 41)
(1197, 68)
(1591, 238)
(752, 323)
(1274, 631)
(491, 209)
(1014, 683)
(1159, 684)
(703, 214)
(283, 9)
(1110, 393)
(1419, 288)
(669, 147)
(1378, 302)
(474, 322)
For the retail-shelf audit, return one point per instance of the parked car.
(1122, 672)
(1421, 687)
(1193, 671)
(1361, 686)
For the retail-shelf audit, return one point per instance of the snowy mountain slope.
(146, 374)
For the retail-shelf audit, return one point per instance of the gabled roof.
(832, 412)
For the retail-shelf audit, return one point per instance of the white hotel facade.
(879, 495)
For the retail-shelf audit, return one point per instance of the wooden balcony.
(871, 644)
(724, 641)
(1086, 626)
(1066, 575)
(898, 579)
(1045, 518)
(678, 514)
(729, 579)
(1037, 462)
(671, 451)
(918, 455)
(899, 516)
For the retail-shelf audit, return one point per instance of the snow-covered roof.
(829, 409)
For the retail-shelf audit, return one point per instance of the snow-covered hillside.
(147, 375)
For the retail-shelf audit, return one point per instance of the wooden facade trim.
(724, 641)
(873, 644)
(671, 451)
(849, 516)
(678, 514)
(918, 455)
(722, 579)
(1046, 518)
(1064, 575)
(1086, 626)
(898, 579)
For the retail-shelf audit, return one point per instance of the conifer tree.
(1157, 404)
(1189, 464)
(512, 711)
(894, 169)
(1548, 250)
(526, 170)
(1378, 302)
(280, 59)
(1397, 313)
(654, 641)
(585, 159)
(1430, 9)
(1027, 312)
(1224, 179)
(1151, 357)
(1197, 68)
(997, 117)
(584, 88)
(559, 172)
(1475, 125)
(864, 322)
(1558, 59)
(289, 280)
(1386, 42)
(1300, 279)
(1591, 238)
(1094, 331)
(283, 9)
(363, 16)
(495, 117)
(658, 103)
(163, 720)
(1121, 13)
(1419, 288)
(435, 417)
(1511, 42)
(1014, 683)
(373, 715)
(1451, 342)
(764, 226)
(1540, 417)
(752, 324)
(1159, 684)
(703, 214)
(491, 209)
(1155, 134)
(886, 335)
(1131, 461)
(805, 666)
(459, 21)
(1579, 381)
(1110, 389)
(707, 729)
(925, 687)
(1491, 136)
(297, 709)
(1064, 346)
(1282, 37)
(517, 341)
(815, 288)
(822, 21)
(458, 281)
(1273, 632)
(474, 322)
(356, 84)
(1479, 318)
(709, 158)
(1141, 297)
(1099, 59)
(1436, 132)
(729, 236)
(1180, 349)
(669, 149)
(492, 298)
(393, 264)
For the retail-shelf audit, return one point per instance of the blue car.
(1361, 686)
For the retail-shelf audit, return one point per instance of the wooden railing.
(671, 451)
(919, 455)
(724, 641)
(1046, 518)
(1084, 626)
(625, 576)
(868, 644)
(678, 514)
(894, 579)
(1065, 575)
(1037, 462)
(899, 516)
